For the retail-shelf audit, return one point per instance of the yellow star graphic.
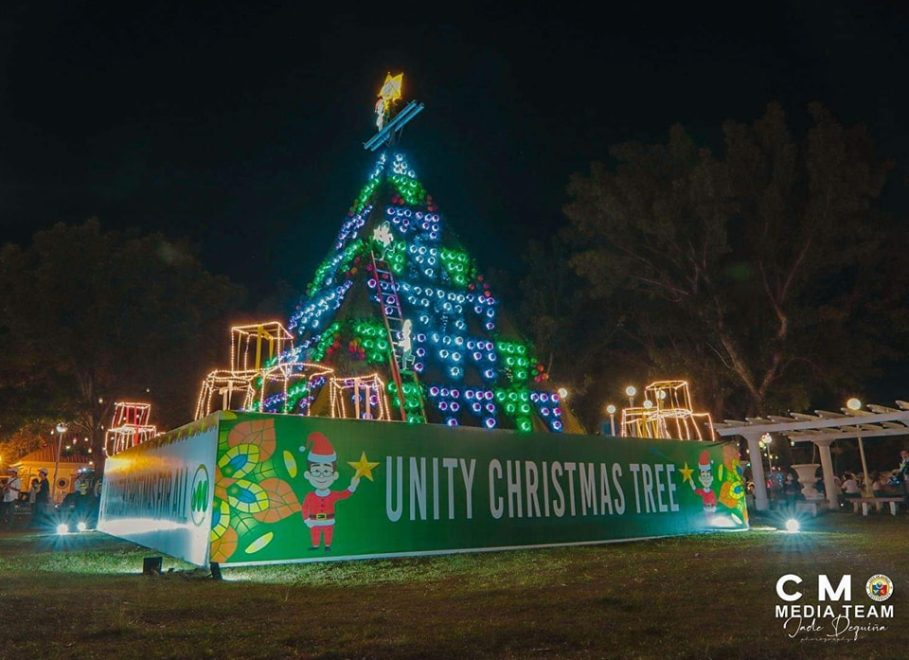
(363, 467)
(391, 89)
(685, 471)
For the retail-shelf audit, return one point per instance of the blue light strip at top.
(379, 139)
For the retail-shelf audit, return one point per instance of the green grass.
(699, 596)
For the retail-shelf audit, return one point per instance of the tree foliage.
(765, 273)
(92, 316)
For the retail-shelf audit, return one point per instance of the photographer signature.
(839, 628)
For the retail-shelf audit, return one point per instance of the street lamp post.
(855, 405)
(610, 410)
(61, 429)
(766, 441)
(630, 392)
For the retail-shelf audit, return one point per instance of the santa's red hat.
(704, 461)
(320, 449)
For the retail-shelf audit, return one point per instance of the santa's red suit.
(319, 506)
(708, 498)
(319, 513)
(707, 494)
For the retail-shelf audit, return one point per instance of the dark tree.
(765, 273)
(93, 316)
(574, 336)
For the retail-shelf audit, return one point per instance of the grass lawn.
(698, 596)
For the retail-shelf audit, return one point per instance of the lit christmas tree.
(401, 313)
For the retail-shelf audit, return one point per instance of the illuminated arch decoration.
(129, 427)
(288, 387)
(667, 412)
(224, 389)
(264, 374)
(359, 397)
(250, 343)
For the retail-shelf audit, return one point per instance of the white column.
(830, 489)
(761, 502)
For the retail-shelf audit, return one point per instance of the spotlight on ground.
(81, 526)
(793, 526)
(62, 528)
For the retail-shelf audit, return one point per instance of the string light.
(435, 292)
(665, 413)
(129, 427)
(364, 394)
(257, 338)
(263, 360)
(395, 303)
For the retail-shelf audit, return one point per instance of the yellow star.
(392, 88)
(686, 473)
(363, 467)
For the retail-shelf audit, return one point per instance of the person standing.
(80, 506)
(32, 502)
(903, 475)
(10, 495)
(790, 489)
(42, 499)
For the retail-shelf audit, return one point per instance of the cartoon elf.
(319, 506)
(705, 476)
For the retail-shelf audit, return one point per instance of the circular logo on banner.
(198, 504)
(879, 587)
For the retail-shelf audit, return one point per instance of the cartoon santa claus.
(319, 506)
(705, 476)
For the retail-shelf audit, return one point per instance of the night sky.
(239, 125)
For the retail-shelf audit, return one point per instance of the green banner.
(293, 488)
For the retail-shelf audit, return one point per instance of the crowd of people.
(35, 503)
(784, 488)
(36, 497)
(883, 484)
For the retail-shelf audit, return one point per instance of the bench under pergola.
(822, 429)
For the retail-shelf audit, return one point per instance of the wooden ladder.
(400, 360)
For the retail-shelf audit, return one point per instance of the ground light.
(62, 528)
(81, 526)
(793, 526)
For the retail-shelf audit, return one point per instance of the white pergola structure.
(822, 429)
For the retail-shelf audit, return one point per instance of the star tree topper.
(389, 93)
